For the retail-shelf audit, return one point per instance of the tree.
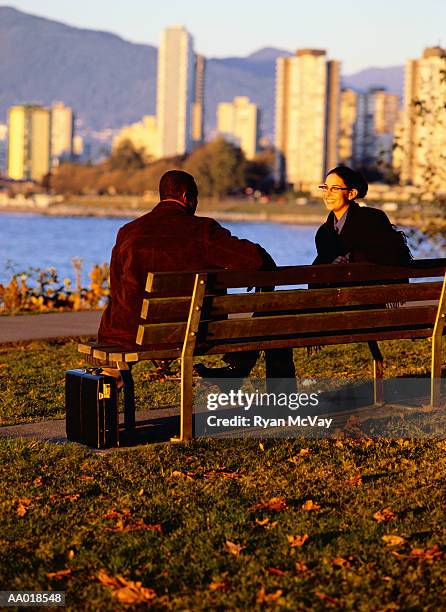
(259, 172)
(126, 157)
(75, 178)
(421, 146)
(218, 168)
(148, 178)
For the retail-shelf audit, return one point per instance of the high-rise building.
(78, 146)
(3, 147)
(198, 102)
(348, 115)
(307, 116)
(62, 131)
(367, 126)
(398, 150)
(143, 135)
(387, 108)
(238, 122)
(377, 116)
(424, 121)
(29, 142)
(333, 101)
(175, 91)
(366, 145)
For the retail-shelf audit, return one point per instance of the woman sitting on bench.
(354, 233)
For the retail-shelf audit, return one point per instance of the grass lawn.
(32, 375)
(220, 524)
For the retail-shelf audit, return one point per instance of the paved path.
(161, 425)
(46, 326)
(151, 426)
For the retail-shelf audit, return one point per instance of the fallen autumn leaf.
(126, 591)
(264, 597)
(219, 585)
(297, 540)
(310, 505)
(274, 571)
(427, 554)
(233, 548)
(59, 574)
(393, 540)
(386, 514)
(276, 504)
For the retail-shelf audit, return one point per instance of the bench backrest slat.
(300, 324)
(176, 309)
(254, 344)
(181, 283)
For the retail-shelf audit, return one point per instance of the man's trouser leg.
(242, 362)
(280, 371)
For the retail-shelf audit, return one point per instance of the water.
(28, 240)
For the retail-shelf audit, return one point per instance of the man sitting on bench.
(172, 238)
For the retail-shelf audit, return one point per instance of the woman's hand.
(342, 259)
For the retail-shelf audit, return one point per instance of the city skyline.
(316, 126)
(350, 32)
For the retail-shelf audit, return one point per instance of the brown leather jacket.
(168, 238)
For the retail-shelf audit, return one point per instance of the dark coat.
(367, 235)
(169, 238)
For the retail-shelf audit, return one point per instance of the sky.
(359, 33)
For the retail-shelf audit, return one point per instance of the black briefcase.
(91, 408)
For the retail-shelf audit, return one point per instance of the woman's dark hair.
(352, 179)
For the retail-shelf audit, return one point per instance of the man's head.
(181, 187)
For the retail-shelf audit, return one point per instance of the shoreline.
(132, 213)
(307, 218)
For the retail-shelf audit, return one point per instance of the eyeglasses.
(333, 189)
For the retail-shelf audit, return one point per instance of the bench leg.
(186, 400)
(436, 371)
(378, 370)
(129, 395)
(437, 341)
(187, 356)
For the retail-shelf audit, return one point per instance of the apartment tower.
(348, 118)
(3, 148)
(238, 122)
(29, 142)
(62, 132)
(424, 121)
(143, 135)
(198, 102)
(175, 91)
(367, 127)
(307, 116)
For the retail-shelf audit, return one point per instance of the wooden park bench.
(187, 314)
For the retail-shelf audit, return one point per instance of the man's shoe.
(224, 372)
(227, 379)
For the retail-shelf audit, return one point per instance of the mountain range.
(110, 82)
